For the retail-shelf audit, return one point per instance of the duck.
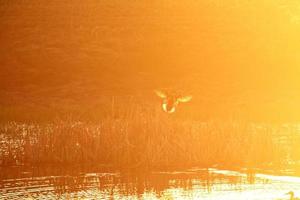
(171, 100)
(292, 195)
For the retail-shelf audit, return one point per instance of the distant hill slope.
(226, 54)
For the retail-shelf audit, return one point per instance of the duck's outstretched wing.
(160, 93)
(185, 99)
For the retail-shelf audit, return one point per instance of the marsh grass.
(134, 136)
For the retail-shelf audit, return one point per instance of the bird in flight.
(171, 100)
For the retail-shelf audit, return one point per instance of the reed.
(134, 136)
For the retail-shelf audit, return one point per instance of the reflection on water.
(190, 184)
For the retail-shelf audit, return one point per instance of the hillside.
(65, 56)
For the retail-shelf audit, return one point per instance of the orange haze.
(237, 57)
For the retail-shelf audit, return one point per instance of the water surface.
(189, 184)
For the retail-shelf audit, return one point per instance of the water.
(76, 182)
(189, 184)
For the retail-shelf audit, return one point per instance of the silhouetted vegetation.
(133, 136)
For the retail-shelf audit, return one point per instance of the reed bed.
(136, 137)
